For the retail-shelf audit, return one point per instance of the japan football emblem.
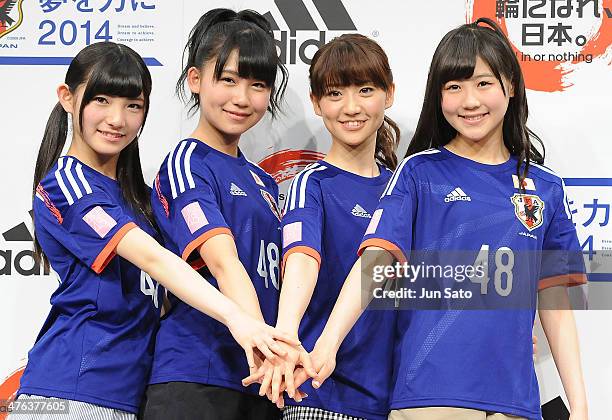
(529, 209)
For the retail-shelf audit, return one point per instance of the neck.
(490, 151)
(106, 165)
(212, 137)
(355, 159)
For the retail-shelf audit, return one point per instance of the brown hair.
(354, 59)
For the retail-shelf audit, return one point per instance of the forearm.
(560, 329)
(354, 297)
(235, 283)
(175, 275)
(299, 281)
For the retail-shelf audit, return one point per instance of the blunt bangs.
(257, 57)
(457, 53)
(118, 76)
(348, 63)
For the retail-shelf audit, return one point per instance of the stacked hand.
(288, 372)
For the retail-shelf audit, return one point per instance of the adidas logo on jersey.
(236, 190)
(360, 212)
(457, 195)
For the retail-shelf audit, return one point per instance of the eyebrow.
(230, 72)
(476, 76)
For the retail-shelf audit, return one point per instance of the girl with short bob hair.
(328, 207)
(94, 225)
(473, 181)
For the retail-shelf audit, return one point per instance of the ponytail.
(50, 150)
(387, 139)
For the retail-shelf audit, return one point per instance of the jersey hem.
(384, 244)
(569, 280)
(191, 246)
(108, 252)
(43, 392)
(475, 405)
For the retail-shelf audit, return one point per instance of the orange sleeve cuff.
(303, 250)
(108, 252)
(191, 246)
(568, 280)
(384, 244)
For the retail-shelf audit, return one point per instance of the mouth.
(236, 115)
(475, 118)
(112, 136)
(352, 124)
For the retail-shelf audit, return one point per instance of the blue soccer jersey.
(439, 202)
(96, 345)
(326, 213)
(199, 193)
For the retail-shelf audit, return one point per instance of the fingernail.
(316, 384)
(304, 395)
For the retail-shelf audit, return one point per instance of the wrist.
(328, 342)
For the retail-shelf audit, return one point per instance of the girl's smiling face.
(353, 114)
(476, 107)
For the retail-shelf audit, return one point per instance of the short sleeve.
(392, 221)
(302, 222)
(88, 223)
(562, 262)
(192, 209)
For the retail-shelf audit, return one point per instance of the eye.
(333, 93)
(227, 79)
(366, 90)
(135, 106)
(260, 85)
(100, 100)
(452, 87)
(484, 83)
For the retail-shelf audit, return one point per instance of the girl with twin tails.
(218, 211)
(328, 208)
(95, 227)
(472, 136)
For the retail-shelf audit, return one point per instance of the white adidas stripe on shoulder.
(180, 176)
(296, 195)
(568, 212)
(72, 190)
(396, 174)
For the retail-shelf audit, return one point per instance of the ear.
(315, 104)
(194, 76)
(66, 98)
(511, 89)
(390, 96)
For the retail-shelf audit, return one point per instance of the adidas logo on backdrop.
(360, 212)
(457, 195)
(298, 19)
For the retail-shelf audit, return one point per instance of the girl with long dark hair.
(94, 225)
(473, 184)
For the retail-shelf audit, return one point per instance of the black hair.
(455, 59)
(221, 31)
(354, 59)
(105, 68)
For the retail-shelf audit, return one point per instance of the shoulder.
(429, 156)
(184, 167)
(69, 183)
(311, 176)
(545, 174)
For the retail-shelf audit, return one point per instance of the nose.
(240, 96)
(352, 104)
(471, 99)
(115, 116)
